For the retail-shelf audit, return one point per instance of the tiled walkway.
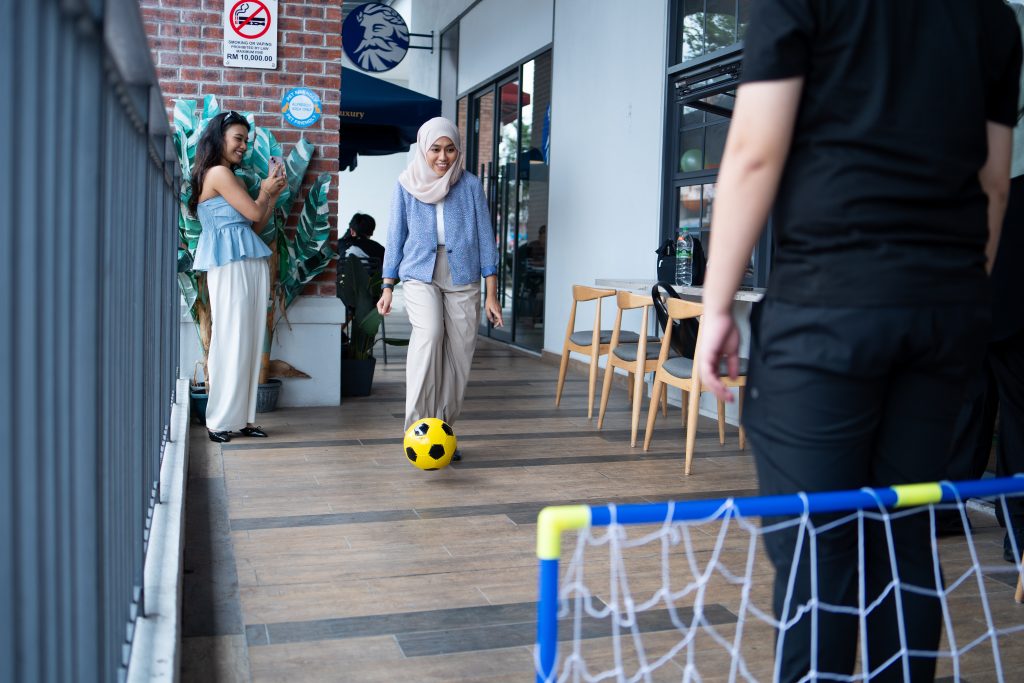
(321, 554)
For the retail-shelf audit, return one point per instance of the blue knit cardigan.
(469, 238)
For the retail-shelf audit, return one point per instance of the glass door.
(507, 125)
(506, 202)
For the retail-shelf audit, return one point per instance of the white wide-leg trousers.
(444, 318)
(238, 305)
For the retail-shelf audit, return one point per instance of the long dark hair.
(210, 152)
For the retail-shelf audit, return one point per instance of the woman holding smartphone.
(235, 259)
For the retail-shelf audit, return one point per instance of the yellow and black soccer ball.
(430, 443)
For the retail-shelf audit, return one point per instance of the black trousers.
(996, 387)
(842, 398)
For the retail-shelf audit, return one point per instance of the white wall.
(497, 34)
(607, 123)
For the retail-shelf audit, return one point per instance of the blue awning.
(378, 117)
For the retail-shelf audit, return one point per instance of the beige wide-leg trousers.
(238, 306)
(444, 318)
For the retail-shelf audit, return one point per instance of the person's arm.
(229, 186)
(995, 181)
(755, 154)
(398, 232)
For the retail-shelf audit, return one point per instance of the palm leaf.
(189, 288)
(295, 167)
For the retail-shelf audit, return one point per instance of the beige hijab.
(418, 178)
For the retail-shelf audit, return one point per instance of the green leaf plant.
(294, 261)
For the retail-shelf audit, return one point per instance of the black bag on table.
(667, 262)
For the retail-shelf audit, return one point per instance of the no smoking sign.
(250, 33)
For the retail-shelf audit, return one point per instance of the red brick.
(302, 66)
(161, 15)
(180, 30)
(209, 76)
(329, 82)
(323, 54)
(289, 52)
(203, 18)
(202, 46)
(160, 44)
(169, 58)
(300, 37)
(320, 26)
(289, 24)
(308, 10)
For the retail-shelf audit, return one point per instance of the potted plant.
(359, 290)
(294, 261)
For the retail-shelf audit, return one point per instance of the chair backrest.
(629, 301)
(681, 309)
(678, 310)
(584, 293)
(683, 334)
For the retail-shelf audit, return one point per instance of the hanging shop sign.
(375, 37)
(301, 107)
(250, 33)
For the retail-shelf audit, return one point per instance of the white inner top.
(440, 223)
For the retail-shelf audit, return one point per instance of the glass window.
(708, 25)
(704, 93)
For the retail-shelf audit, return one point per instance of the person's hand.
(719, 339)
(493, 311)
(276, 181)
(384, 302)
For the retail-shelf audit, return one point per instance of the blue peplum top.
(227, 236)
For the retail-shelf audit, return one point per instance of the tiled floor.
(321, 554)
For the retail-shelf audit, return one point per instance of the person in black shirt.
(357, 241)
(882, 131)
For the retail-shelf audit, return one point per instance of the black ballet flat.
(253, 431)
(456, 456)
(219, 437)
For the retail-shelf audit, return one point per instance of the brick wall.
(186, 38)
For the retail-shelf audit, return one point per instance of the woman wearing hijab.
(440, 243)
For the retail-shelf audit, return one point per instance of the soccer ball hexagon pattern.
(430, 443)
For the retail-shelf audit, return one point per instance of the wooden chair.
(636, 353)
(683, 373)
(593, 342)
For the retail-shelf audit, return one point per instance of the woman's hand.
(384, 302)
(719, 339)
(275, 182)
(493, 311)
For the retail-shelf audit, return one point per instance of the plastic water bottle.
(684, 258)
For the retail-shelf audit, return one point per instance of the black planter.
(198, 395)
(357, 376)
(266, 396)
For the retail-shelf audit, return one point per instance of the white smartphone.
(278, 160)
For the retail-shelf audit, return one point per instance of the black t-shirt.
(880, 201)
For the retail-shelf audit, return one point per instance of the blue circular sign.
(301, 107)
(375, 37)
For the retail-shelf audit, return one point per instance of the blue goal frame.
(552, 521)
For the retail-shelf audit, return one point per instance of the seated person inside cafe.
(357, 241)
